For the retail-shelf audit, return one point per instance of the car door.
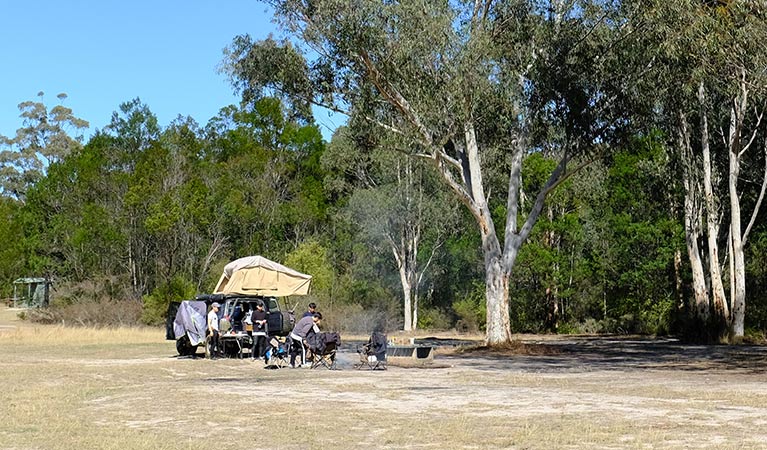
(274, 318)
(169, 318)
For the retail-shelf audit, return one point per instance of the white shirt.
(213, 320)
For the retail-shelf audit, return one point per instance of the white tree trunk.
(700, 293)
(497, 270)
(712, 227)
(407, 290)
(415, 309)
(407, 276)
(738, 259)
(496, 292)
(692, 219)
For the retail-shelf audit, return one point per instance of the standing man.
(259, 332)
(213, 340)
(312, 310)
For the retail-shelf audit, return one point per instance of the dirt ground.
(68, 388)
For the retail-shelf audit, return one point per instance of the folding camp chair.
(277, 353)
(373, 354)
(324, 347)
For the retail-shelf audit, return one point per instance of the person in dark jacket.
(259, 332)
(312, 310)
(236, 320)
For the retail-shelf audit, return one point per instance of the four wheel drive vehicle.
(186, 322)
(244, 282)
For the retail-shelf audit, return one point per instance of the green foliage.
(156, 303)
(658, 317)
(268, 193)
(311, 258)
(252, 67)
(12, 257)
(43, 140)
(152, 213)
(472, 309)
(434, 319)
(756, 268)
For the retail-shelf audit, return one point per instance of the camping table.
(238, 338)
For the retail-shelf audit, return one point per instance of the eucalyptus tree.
(72, 226)
(133, 131)
(12, 257)
(178, 203)
(714, 68)
(43, 139)
(268, 189)
(459, 81)
(397, 205)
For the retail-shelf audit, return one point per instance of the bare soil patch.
(75, 388)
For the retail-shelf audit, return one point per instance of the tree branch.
(753, 135)
(394, 97)
(463, 195)
(761, 197)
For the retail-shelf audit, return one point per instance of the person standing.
(258, 317)
(236, 319)
(312, 310)
(213, 333)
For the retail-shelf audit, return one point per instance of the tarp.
(256, 275)
(191, 320)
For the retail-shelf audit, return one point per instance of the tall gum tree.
(398, 204)
(47, 136)
(459, 80)
(715, 84)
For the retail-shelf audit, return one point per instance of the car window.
(273, 305)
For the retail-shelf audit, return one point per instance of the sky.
(104, 53)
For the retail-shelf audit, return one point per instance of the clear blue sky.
(104, 53)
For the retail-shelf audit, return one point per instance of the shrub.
(658, 317)
(89, 313)
(95, 290)
(472, 310)
(434, 319)
(754, 336)
(92, 303)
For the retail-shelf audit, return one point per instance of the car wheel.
(185, 347)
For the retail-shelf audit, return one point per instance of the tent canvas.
(256, 275)
(191, 320)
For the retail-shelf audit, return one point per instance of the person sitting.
(312, 310)
(304, 327)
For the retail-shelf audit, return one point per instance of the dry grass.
(121, 388)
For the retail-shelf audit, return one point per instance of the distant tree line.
(514, 166)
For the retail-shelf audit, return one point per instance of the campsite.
(71, 388)
(399, 224)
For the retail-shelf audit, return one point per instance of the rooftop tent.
(256, 275)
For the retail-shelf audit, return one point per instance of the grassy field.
(68, 388)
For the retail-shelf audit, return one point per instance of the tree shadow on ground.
(598, 353)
